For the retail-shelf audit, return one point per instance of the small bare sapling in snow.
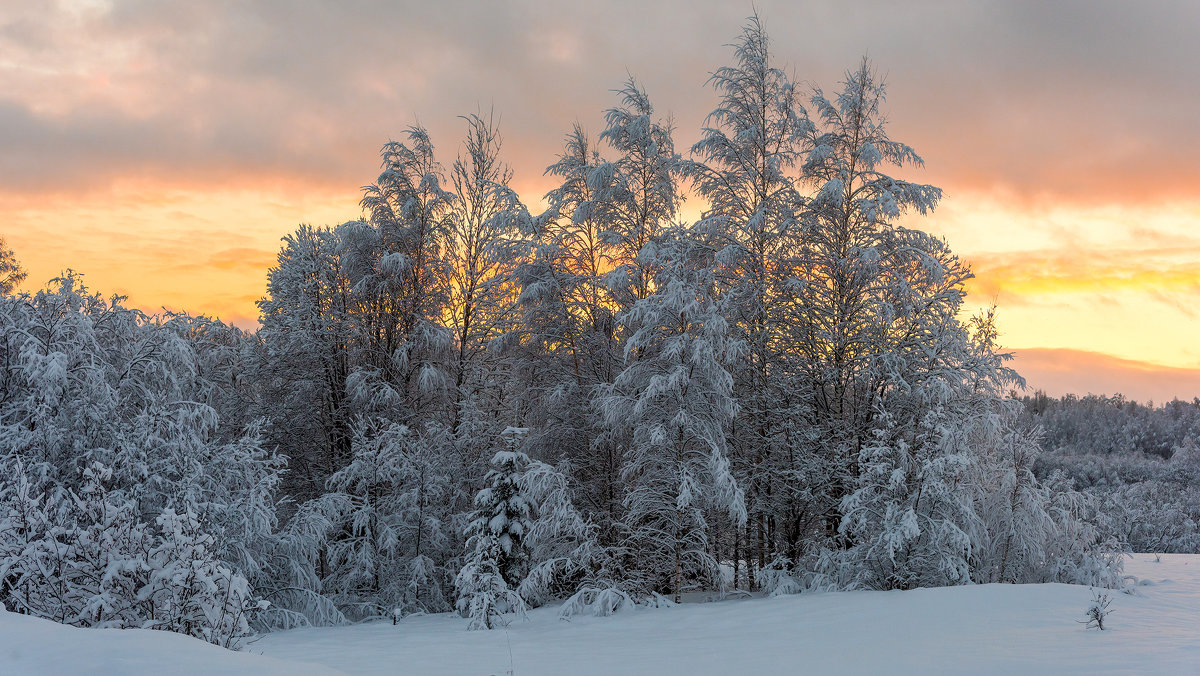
(1097, 611)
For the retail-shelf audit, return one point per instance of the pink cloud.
(1062, 371)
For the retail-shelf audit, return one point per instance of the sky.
(163, 148)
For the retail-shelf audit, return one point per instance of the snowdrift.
(31, 645)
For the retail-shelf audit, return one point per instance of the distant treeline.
(1101, 425)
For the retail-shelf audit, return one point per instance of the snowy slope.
(988, 629)
(29, 645)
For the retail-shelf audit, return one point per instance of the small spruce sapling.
(495, 555)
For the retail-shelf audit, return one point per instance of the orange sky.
(164, 148)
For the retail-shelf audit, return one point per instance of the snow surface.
(985, 629)
(31, 645)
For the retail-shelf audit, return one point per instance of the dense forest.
(1139, 462)
(453, 403)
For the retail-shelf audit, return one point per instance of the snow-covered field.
(988, 629)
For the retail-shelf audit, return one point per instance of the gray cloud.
(1067, 99)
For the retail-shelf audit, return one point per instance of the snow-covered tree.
(676, 396)
(74, 558)
(383, 545)
(398, 267)
(1112, 450)
(302, 359)
(639, 193)
(11, 273)
(745, 169)
(568, 324)
(497, 557)
(481, 255)
(407, 206)
(503, 510)
(866, 291)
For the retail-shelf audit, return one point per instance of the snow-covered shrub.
(1137, 498)
(947, 495)
(74, 558)
(563, 545)
(291, 580)
(598, 601)
(190, 590)
(91, 562)
(484, 596)
(911, 521)
(780, 577)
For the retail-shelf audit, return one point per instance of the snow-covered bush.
(484, 596)
(77, 558)
(190, 590)
(563, 546)
(598, 601)
(781, 577)
(947, 495)
(1137, 498)
(90, 562)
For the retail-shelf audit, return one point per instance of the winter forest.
(455, 404)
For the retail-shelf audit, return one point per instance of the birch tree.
(745, 169)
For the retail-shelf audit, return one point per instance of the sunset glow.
(163, 150)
